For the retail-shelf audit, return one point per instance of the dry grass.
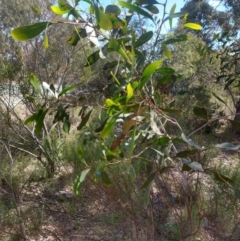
(181, 205)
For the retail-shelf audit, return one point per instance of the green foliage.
(138, 111)
(79, 179)
(102, 19)
(149, 180)
(58, 10)
(193, 26)
(35, 83)
(113, 9)
(84, 120)
(200, 112)
(228, 146)
(136, 9)
(30, 31)
(143, 39)
(172, 11)
(148, 71)
(108, 127)
(190, 141)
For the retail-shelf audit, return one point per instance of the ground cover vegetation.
(114, 128)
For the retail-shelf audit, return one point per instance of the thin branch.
(23, 150)
(210, 121)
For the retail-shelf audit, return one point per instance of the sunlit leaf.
(57, 10)
(35, 83)
(109, 126)
(109, 103)
(135, 84)
(116, 21)
(45, 41)
(103, 19)
(165, 70)
(166, 51)
(173, 8)
(30, 31)
(148, 71)
(193, 26)
(129, 91)
(91, 9)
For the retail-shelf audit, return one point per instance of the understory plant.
(134, 129)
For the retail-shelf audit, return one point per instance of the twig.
(21, 225)
(210, 121)
(23, 150)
